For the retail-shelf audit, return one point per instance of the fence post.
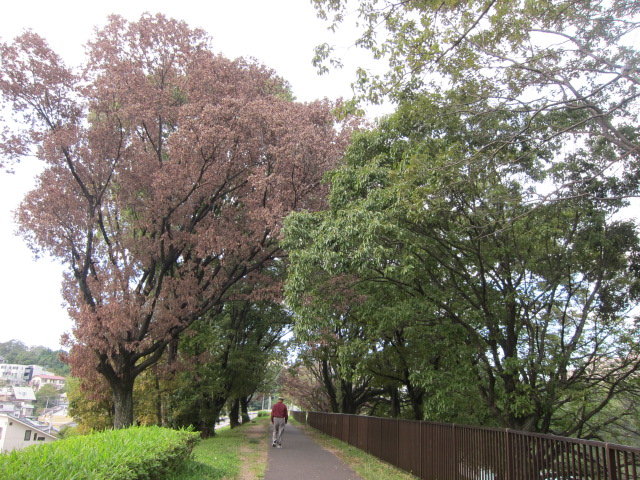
(456, 459)
(612, 471)
(397, 442)
(509, 454)
(421, 452)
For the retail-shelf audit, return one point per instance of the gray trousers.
(278, 428)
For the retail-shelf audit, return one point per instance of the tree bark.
(122, 402)
(244, 407)
(416, 395)
(209, 414)
(395, 402)
(347, 403)
(234, 413)
(327, 380)
(158, 397)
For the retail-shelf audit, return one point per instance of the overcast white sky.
(279, 33)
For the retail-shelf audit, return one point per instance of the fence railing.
(438, 451)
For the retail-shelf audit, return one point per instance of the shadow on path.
(301, 458)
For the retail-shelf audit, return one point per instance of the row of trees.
(168, 171)
(475, 264)
(435, 278)
(472, 264)
(225, 361)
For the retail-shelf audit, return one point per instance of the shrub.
(136, 453)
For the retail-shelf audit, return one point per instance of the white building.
(24, 397)
(38, 381)
(10, 408)
(16, 434)
(15, 374)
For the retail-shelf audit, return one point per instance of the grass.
(233, 454)
(135, 452)
(241, 454)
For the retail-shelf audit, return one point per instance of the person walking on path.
(279, 418)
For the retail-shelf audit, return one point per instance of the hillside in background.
(14, 351)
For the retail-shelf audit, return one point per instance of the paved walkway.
(301, 458)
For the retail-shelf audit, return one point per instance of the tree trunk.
(158, 397)
(416, 395)
(348, 401)
(122, 390)
(328, 385)
(234, 413)
(244, 407)
(395, 402)
(210, 409)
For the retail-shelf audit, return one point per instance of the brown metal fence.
(439, 451)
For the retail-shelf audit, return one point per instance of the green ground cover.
(157, 453)
(238, 454)
(136, 453)
(241, 454)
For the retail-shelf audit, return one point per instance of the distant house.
(15, 374)
(9, 408)
(23, 397)
(18, 433)
(23, 394)
(38, 381)
(56, 417)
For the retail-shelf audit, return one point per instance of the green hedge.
(136, 453)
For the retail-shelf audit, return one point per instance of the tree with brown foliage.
(168, 172)
(305, 388)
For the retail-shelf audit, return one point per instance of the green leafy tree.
(90, 403)
(540, 295)
(349, 388)
(47, 396)
(154, 389)
(256, 331)
(538, 59)
(364, 344)
(15, 351)
(229, 354)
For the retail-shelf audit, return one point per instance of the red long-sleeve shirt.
(279, 410)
